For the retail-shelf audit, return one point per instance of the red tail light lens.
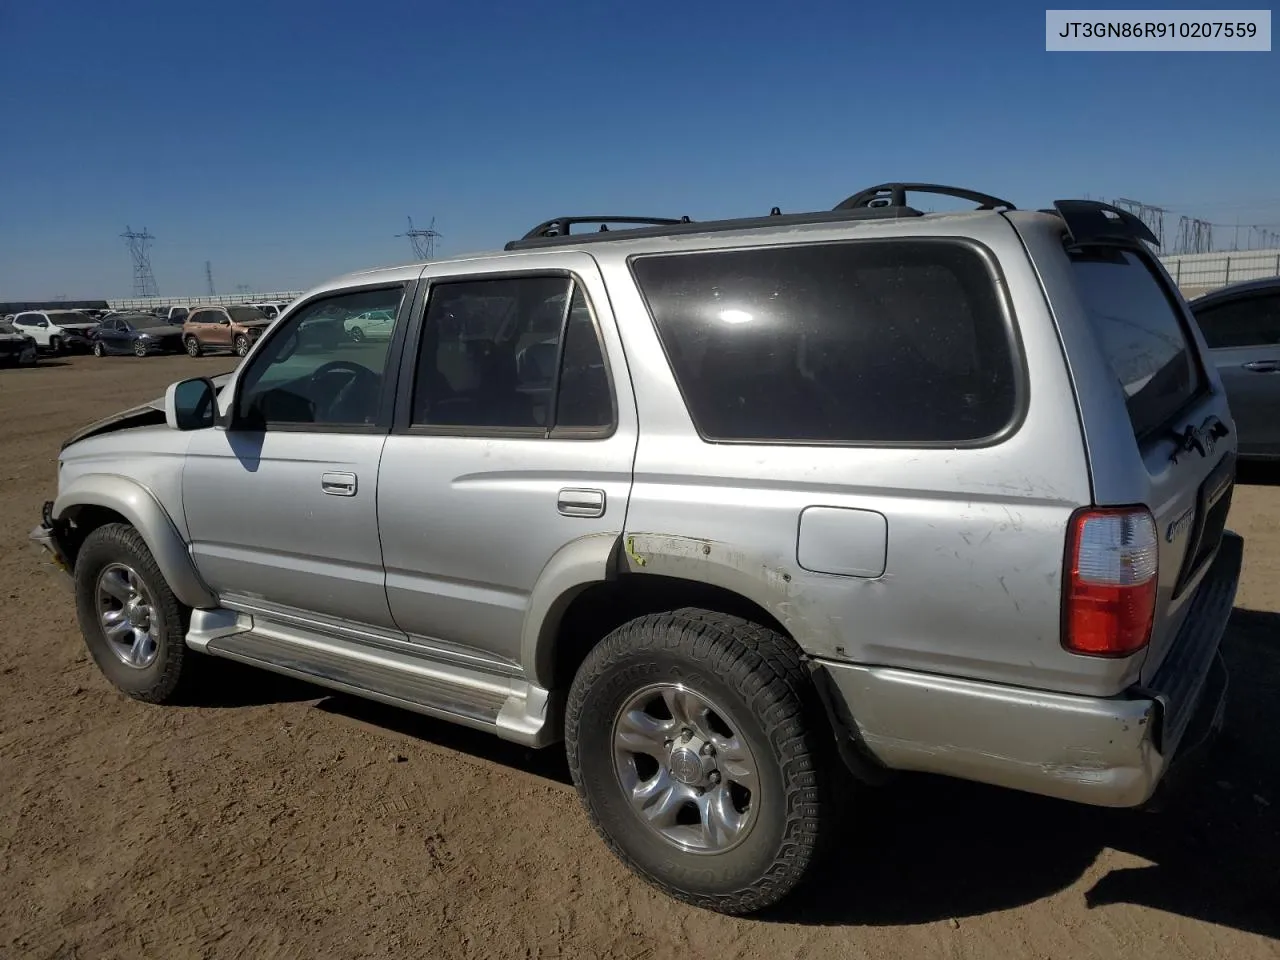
(1110, 593)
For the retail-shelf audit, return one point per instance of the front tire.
(29, 357)
(241, 345)
(699, 749)
(139, 349)
(98, 349)
(192, 346)
(55, 345)
(133, 625)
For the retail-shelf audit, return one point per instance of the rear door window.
(1247, 322)
(860, 342)
(1142, 335)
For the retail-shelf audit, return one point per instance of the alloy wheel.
(128, 616)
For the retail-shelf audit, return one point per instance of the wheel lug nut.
(686, 734)
(714, 776)
(708, 749)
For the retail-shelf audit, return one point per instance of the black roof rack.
(1094, 223)
(559, 227)
(886, 201)
(895, 195)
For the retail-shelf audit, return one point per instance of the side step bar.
(511, 708)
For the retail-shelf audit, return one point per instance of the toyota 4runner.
(732, 509)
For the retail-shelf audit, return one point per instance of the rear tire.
(118, 585)
(30, 358)
(357, 334)
(192, 346)
(737, 811)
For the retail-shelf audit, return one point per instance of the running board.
(511, 708)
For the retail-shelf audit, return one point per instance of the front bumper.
(76, 341)
(47, 541)
(1107, 751)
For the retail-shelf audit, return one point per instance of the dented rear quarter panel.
(975, 537)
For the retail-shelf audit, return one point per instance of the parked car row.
(170, 329)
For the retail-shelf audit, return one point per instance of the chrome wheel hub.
(683, 765)
(127, 615)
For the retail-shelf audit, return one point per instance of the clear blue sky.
(286, 142)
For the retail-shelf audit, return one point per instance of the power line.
(144, 281)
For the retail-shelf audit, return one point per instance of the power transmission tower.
(144, 281)
(423, 241)
(208, 276)
(1152, 216)
(1194, 236)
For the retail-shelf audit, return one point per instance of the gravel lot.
(276, 821)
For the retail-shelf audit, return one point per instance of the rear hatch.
(1180, 423)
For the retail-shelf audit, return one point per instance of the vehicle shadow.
(549, 764)
(1258, 473)
(225, 683)
(925, 849)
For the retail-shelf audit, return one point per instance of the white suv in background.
(56, 330)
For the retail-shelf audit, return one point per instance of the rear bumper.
(1111, 751)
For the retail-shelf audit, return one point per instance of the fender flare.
(139, 506)
(600, 557)
(574, 567)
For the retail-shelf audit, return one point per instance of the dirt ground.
(276, 821)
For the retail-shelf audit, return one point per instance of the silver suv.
(742, 512)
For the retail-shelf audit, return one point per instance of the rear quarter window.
(901, 342)
(1142, 333)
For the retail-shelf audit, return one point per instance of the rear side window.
(1247, 322)
(1142, 335)
(861, 342)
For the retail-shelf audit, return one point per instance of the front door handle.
(1263, 366)
(576, 502)
(338, 484)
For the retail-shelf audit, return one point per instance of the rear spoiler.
(1094, 223)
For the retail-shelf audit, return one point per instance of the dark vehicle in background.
(140, 334)
(1241, 325)
(17, 349)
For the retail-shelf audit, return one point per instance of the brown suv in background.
(222, 328)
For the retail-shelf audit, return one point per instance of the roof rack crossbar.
(1094, 223)
(559, 226)
(895, 195)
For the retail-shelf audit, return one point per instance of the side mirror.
(190, 404)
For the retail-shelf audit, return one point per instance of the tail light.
(1110, 593)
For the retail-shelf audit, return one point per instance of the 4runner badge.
(1179, 525)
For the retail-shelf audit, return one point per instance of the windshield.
(1141, 333)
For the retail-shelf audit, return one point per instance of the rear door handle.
(1262, 366)
(338, 484)
(576, 502)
